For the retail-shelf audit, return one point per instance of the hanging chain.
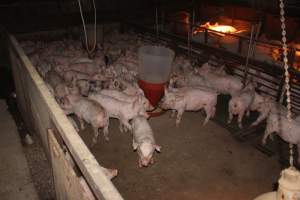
(286, 72)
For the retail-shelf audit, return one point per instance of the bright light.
(216, 27)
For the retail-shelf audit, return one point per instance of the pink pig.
(143, 141)
(190, 99)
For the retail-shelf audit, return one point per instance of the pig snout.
(144, 162)
(162, 104)
(149, 107)
(113, 172)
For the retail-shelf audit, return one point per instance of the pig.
(84, 87)
(240, 103)
(125, 97)
(62, 89)
(190, 99)
(261, 104)
(190, 80)
(223, 83)
(265, 105)
(143, 141)
(122, 110)
(72, 75)
(53, 78)
(288, 131)
(90, 111)
(131, 88)
(86, 68)
(60, 60)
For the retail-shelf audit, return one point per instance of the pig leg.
(267, 133)
(140, 163)
(179, 116)
(230, 117)
(81, 122)
(260, 118)
(125, 125)
(105, 133)
(121, 127)
(96, 134)
(210, 111)
(173, 113)
(240, 119)
(248, 113)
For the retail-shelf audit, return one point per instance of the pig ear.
(157, 148)
(141, 91)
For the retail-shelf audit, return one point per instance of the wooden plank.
(67, 184)
(100, 184)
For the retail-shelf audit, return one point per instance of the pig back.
(142, 130)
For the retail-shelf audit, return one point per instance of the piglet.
(240, 103)
(190, 99)
(221, 82)
(288, 131)
(53, 78)
(143, 141)
(130, 98)
(63, 89)
(84, 87)
(90, 111)
(122, 110)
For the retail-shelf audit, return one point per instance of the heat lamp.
(289, 182)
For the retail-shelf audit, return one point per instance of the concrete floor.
(196, 162)
(15, 180)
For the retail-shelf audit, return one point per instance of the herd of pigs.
(105, 86)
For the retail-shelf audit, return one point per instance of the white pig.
(84, 87)
(72, 75)
(62, 89)
(143, 141)
(288, 131)
(90, 111)
(86, 68)
(223, 83)
(240, 103)
(122, 110)
(125, 97)
(190, 99)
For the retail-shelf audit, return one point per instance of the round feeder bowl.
(153, 92)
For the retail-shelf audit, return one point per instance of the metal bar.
(205, 36)
(248, 55)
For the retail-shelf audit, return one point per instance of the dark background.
(34, 15)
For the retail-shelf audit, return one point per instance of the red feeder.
(155, 63)
(153, 91)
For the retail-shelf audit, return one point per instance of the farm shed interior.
(54, 74)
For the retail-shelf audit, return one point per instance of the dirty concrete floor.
(196, 162)
(15, 181)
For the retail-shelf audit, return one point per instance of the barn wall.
(41, 114)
